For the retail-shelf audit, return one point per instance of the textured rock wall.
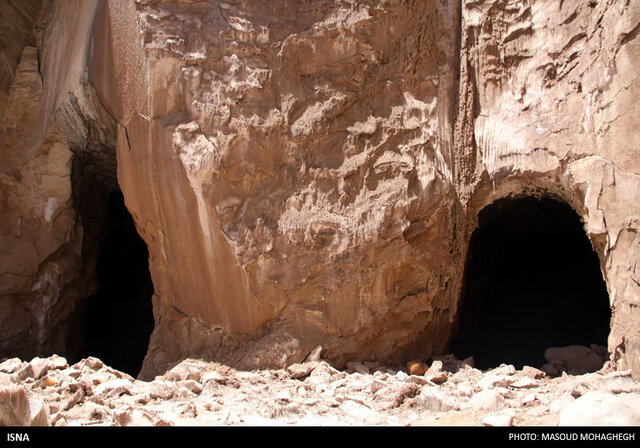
(253, 160)
(552, 89)
(50, 114)
(309, 173)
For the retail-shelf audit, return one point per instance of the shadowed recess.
(119, 316)
(532, 281)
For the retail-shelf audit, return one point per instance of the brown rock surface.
(306, 173)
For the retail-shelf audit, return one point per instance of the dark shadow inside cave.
(119, 315)
(532, 281)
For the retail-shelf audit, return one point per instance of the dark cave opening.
(119, 318)
(532, 281)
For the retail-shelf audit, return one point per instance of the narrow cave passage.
(532, 281)
(119, 315)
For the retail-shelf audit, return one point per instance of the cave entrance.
(532, 281)
(119, 315)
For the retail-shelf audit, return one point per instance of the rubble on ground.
(445, 391)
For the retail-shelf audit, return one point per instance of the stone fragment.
(38, 411)
(57, 362)
(491, 381)
(315, 355)
(486, 400)
(92, 363)
(298, 370)
(420, 380)
(186, 370)
(503, 418)
(360, 367)
(436, 373)
(162, 390)
(49, 382)
(375, 386)
(417, 367)
(432, 399)
(213, 376)
(14, 406)
(597, 408)
(12, 365)
(532, 372)
(191, 385)
(113, 388)
(525, 383)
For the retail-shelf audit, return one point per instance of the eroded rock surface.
(307, 173)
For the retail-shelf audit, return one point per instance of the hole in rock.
(532, 281)
(119, 314)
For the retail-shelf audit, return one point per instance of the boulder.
(598, 408)
(574, 359)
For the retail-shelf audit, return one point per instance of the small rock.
(375, 386)
(49, 382)
(486, 400)
(452, 364)
(420, 380)
(436, 373)
(491, 381)
(72, 372)
(77, 397)
(12, 365)
(92, 363)
(314, 356)
(504, 418)
(301, 370)
(532, 372)
(417, 367)
(191, 385)
(431, 399)
(324, 370)
(186, 370)
(213, 376)
(359, 367)
(525, 383)
(58, 362)
(437, 377)
(113, 388)
(163, 390)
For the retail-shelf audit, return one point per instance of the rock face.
(308, 173)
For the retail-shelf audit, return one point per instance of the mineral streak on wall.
(309, 173)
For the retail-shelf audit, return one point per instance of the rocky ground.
(49, 391)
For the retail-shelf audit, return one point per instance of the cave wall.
(49, 114)
(310, 173)
(549, 104)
